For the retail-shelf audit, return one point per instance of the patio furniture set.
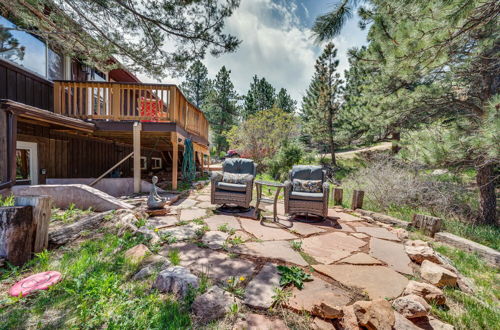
(306, 190)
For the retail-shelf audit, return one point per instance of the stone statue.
(155, 201)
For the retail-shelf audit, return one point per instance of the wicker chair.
(232, 193)
(298, 202)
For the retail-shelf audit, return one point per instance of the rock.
(316, 292)
(259, 322)
(392, 253)
(137, 253)
(212, 305)
(177, 280)
(265, 233)
(273, 250)
(149, 234)
(361, 259)
(376, 314)
(327, 311)
(215, 239)
(182, 233)
(216, 221)
(349, 320)
(431, 323)
(400, 233)
(416, 242)
(437, 275)
(402, 323)
(420, 253)
(143, 273)
(331, 247)
(319, 324)
(429, 292)
(378, 281)
(260, 291)
(378, 232)
(411, 306)
(343, 215)
(155, 259)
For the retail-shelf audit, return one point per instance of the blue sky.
(277, 43)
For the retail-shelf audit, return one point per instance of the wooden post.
(429, 225)
(175, 159)
(137, 156)
(338, 193)
(17, 230)
(357, 199)
(42, 206)
(115, 103)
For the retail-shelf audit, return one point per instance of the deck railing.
(128, 101)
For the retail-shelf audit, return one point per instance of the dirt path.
(353, 153)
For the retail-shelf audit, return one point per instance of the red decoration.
(33, 283)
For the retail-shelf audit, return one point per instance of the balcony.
(114, 101)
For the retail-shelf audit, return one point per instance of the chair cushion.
(307, 172)
(305, 196)
(239, 165)
(310, 186)
(236, 178)
(231, 186)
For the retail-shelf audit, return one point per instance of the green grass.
(7, 201)
(96, 292)
(71, 214)
(174, 257)
(479, 311)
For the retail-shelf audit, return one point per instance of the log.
(357, 199)
(71, 232)
(429, 225)
(17, 231)
(42, 206)
(337, 196)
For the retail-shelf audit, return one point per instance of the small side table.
(278, 186)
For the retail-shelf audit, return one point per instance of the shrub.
(289, 154)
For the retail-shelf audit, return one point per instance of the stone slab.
(378, 233)
(316, 292)
(392, 253)
(217, 265)
(191, 214)
(215, 239)
(343, 216)
(182, 233)
(305, 229)
(266, 231)
(360, 235)
(215, 221)
(164, 221)
(259, 322)
(490, 255)
(279, 250)
(260, 291)
(185, 203)
(361, 259)
(378, 282)
(331, 247)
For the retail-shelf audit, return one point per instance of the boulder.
(400, 233)
(327, 311)
(402, 323)
(143, 273)
(416, 242)
(431, 323)
(349, 320)
(437, 275)
(177, 280)
(319, 324)
(411, 306)
(429, 292)
(212, 305)
(376, 314)
(137, 253)
(420, 253)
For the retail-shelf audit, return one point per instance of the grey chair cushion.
(304, 196)
(231, 186)
(307, 172)
(239, 165)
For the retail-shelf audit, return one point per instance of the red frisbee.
(33, 283)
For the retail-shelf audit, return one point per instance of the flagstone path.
(350, 257)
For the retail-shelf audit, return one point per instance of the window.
(55, 65)
(144, 163)
(155, 163)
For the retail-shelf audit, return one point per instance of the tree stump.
(17, 231)
(357, 199)
(429, 225)
(337, 196)
(41, 215)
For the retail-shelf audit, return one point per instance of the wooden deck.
(119, 102)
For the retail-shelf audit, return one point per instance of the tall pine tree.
(261, 96)
(221, 108)
(285, 102)
(196, 85)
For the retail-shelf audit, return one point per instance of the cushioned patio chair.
(234, 185)
(306, 191)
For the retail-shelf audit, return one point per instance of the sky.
(277, 44)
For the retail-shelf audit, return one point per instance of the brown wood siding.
(18, 84)
(66, 155)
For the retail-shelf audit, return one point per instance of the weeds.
(296, 245)
(226, 229)
(7, 201)
(69, 215)
(174, 257)
(141, 222)
(281, 296)
(234, 285)
(293, 275)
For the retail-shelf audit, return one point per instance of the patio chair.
(306, 191)
(234, 185)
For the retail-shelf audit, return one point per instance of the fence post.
(429, 225)
(337, 196)
(357, 199)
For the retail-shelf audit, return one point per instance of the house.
(63, 120)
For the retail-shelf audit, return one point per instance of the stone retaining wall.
(490, 255)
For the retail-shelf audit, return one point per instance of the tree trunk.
(396, 138)
(330, 137)
(485, 179)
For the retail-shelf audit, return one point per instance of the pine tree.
(284, 101)
(260, 96)
(221, 108)
(322, 101)
(196, 85)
